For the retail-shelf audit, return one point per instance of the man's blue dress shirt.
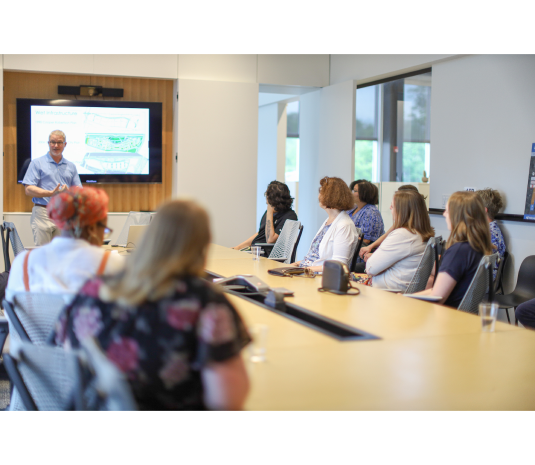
(45, 173)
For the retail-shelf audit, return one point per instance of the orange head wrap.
(77, 207)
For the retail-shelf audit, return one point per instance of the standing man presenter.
(47, 175)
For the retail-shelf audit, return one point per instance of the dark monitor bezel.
(155, 137)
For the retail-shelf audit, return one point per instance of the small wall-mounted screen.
(108, 141)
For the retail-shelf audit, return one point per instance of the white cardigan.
(339, 241)
(394, 263)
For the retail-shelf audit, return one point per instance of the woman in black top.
(469, 240)
(279, 209)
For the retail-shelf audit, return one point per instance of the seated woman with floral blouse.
(175, 337)
(365, 214)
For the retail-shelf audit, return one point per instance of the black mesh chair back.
(358, 246)
(33, 315)
(425, 267)
(44, 377)
(481, 283)
(524, 289)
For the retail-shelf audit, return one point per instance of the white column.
(327, 133)
(217, 154)
(271, 150)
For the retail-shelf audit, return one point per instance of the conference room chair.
(482, 282)
(10, 235)
(524, 289)
(32, 315)
(422, 273)
(355, 257)
(44, 377)
(133, 219)
(52, 378)
(284, 248)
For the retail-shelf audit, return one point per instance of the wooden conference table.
(427, 357)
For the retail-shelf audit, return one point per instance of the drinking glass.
(257, 348)
(488, 312)
(256, 252)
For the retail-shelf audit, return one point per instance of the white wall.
(217, 153)
(294, 70)
(148, 66)
(483, 125)
(234, 68)
(372, 67)
(327, 140)
(271, 151)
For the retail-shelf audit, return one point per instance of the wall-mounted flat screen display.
(108, 141)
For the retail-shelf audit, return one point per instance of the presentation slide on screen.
(99, 140)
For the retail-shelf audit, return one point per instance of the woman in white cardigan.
(394, 263)
(337, 236)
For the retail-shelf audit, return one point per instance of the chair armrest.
(264, 244)
(280, 260)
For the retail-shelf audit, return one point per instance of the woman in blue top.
(366, 215)
(493, 204)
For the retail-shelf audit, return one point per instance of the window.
(393, 129)
(292, 142)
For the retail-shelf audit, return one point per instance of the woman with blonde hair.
(176, 337)
(468, 242)
(393, 265)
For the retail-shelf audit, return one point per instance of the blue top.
(460, 261)
(496, 237)
(45, 173)
(314, 251)
(370, 221)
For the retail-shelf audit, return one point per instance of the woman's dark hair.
(335, 194)
(278, 196)
(354, 183)
(368, 192)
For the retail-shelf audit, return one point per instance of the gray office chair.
(11, 236)
(32, 315)
(422, 273)
(133, 219)
(283, 250)
(481, 283)
(44, 377)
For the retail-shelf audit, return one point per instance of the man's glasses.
(55, 143)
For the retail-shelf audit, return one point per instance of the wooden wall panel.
(123, 197)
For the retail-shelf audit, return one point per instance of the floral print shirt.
(370, 221)
(160, 346)
(496, 237)
(314, 251)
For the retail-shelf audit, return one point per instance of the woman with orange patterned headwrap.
(66, 263)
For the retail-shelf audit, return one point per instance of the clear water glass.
(257, 348)
(256, 252)
(488, 312)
